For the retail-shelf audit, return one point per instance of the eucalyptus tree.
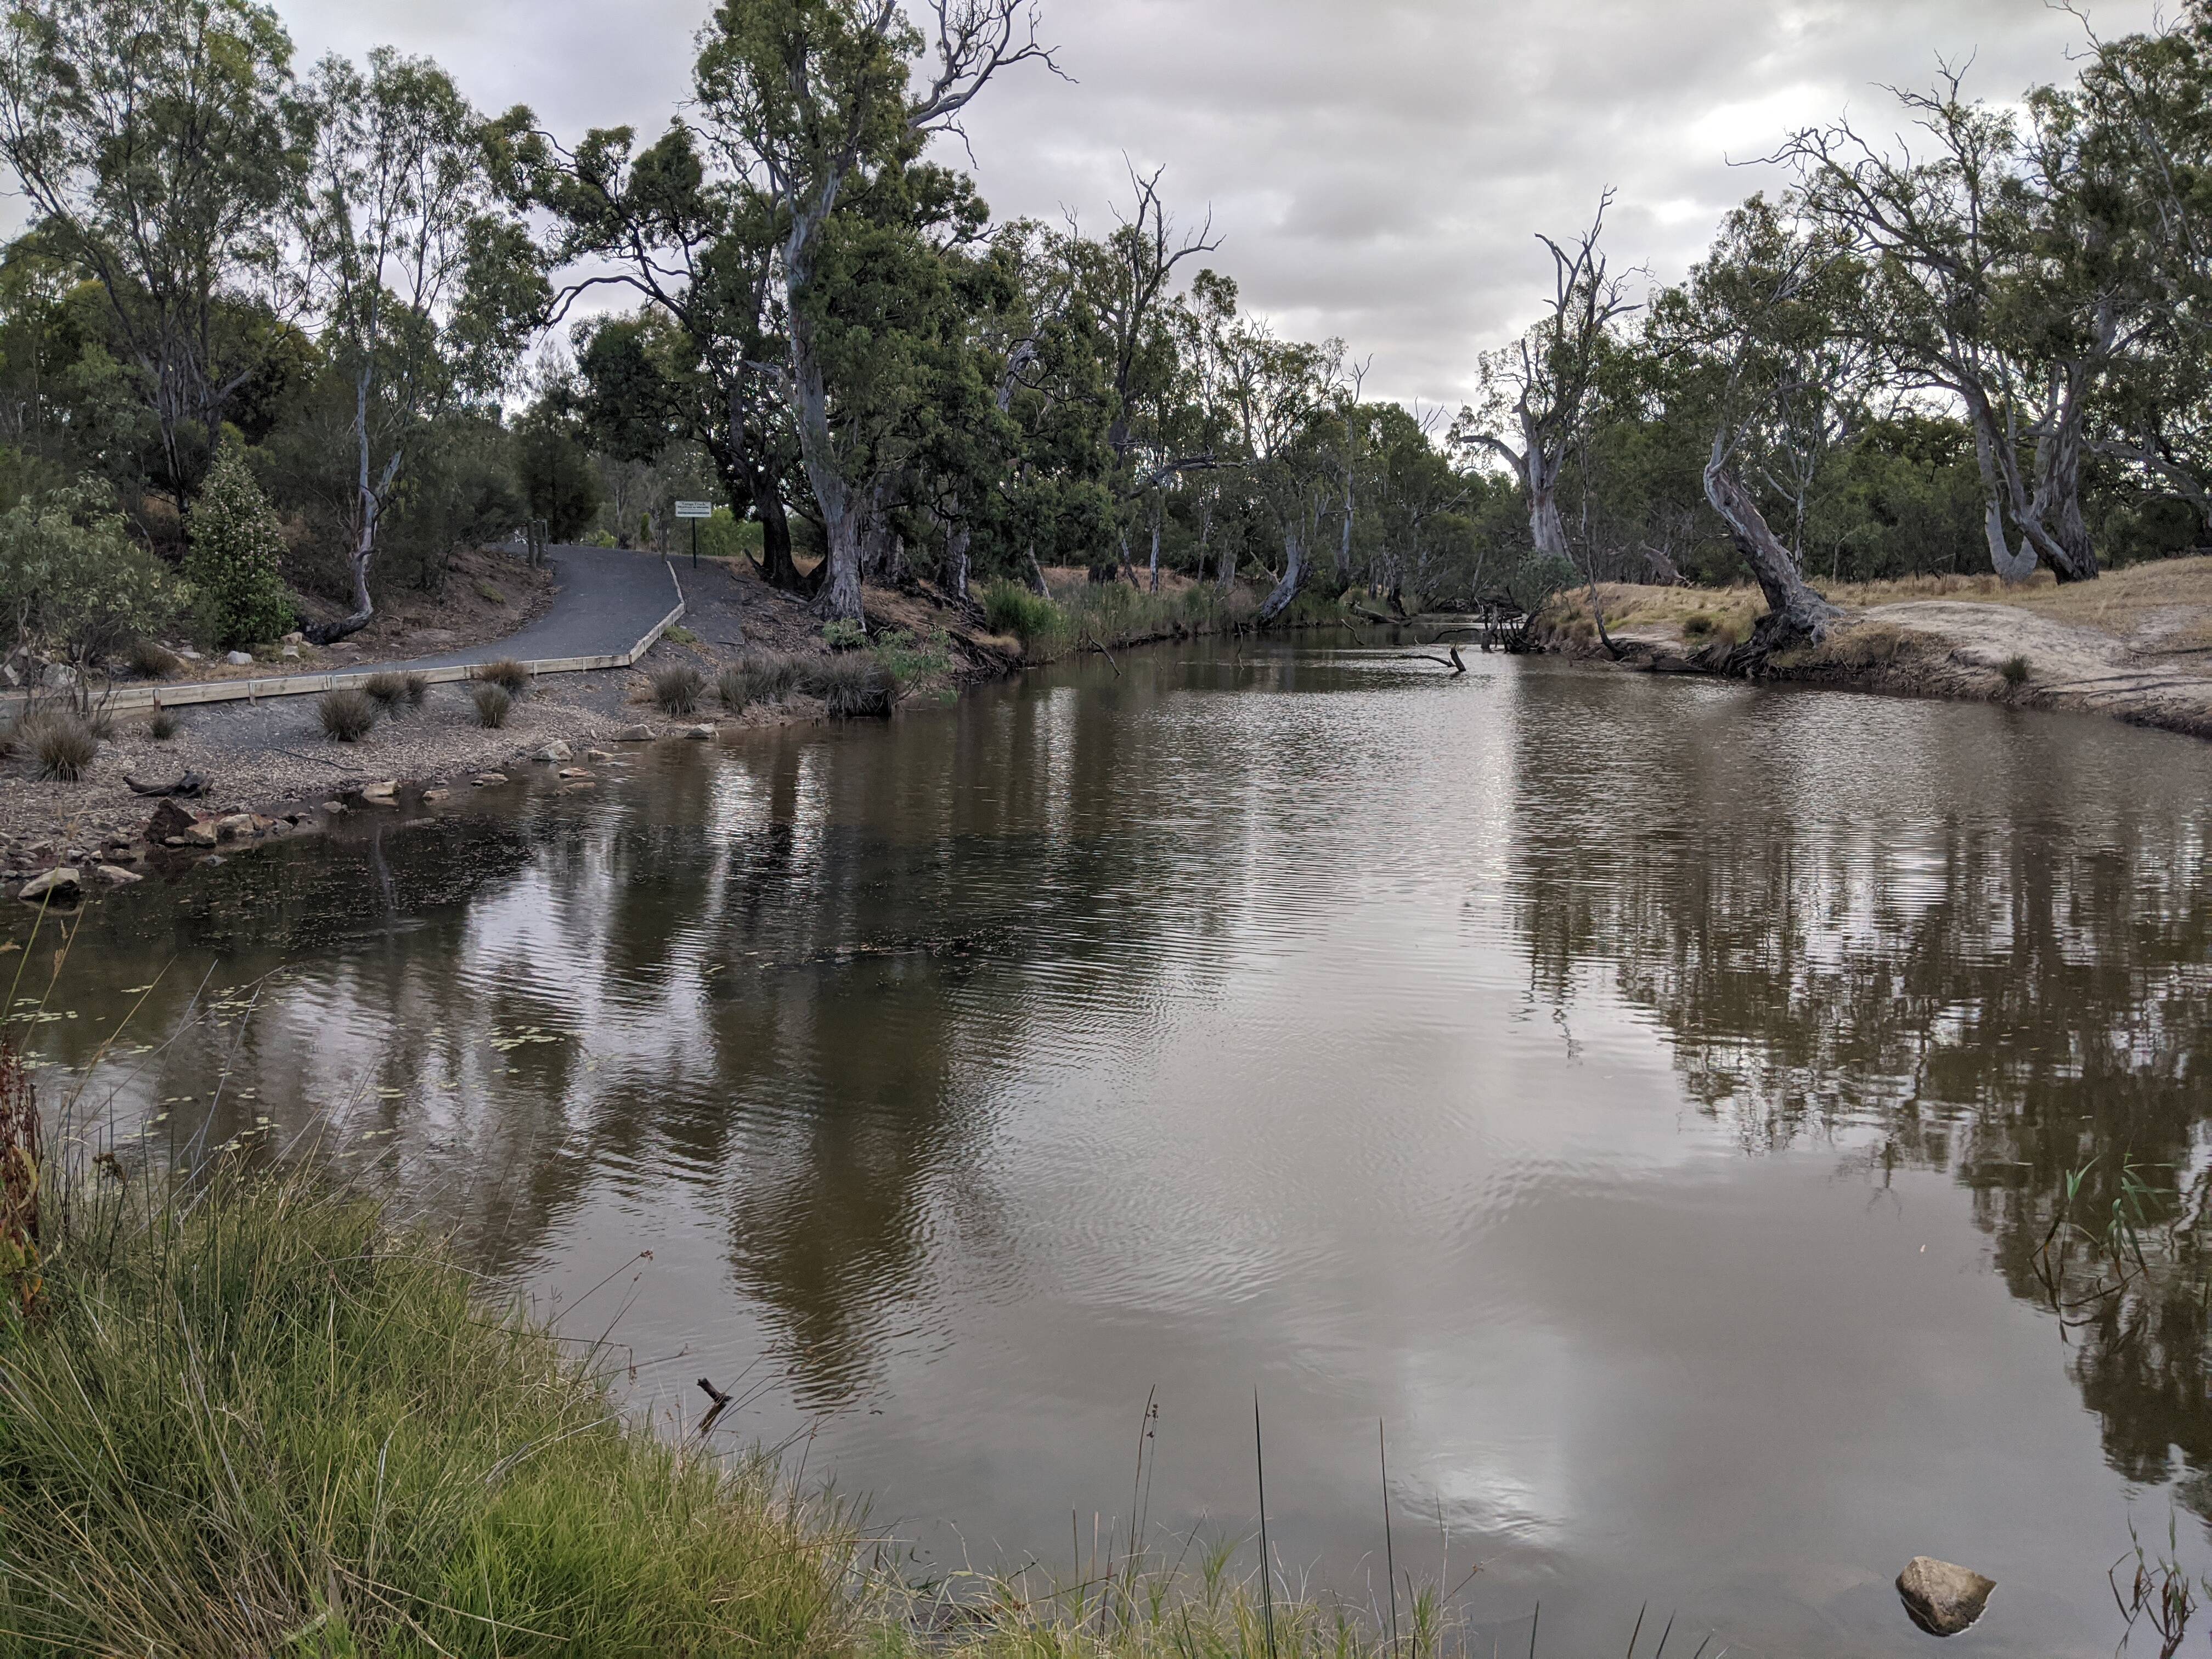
(158, 144)
(1280, 393)
(695, 236)
(423, 290)
(816, 94)
(1998, 279)
(1539, 393)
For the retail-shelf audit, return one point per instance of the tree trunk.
(1036, 575)
(778, 568)
(1287, 589)
(370, 496)
(1156, 546)
(1795, 615)
(840, 596)
(956, 558)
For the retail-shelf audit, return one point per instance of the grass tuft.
(678, 687)
(2014, 671)
(264, 1421)
(854, 685)
(1010, 608)
(348, 714)
(493, 706)
(164, 724)
(391, 689)
(61, 743)
(152, 661)
(507, 674)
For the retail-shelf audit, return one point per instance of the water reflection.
(1588, 1074)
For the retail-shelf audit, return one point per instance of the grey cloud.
(1376, 168)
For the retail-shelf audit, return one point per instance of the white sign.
(695, 509)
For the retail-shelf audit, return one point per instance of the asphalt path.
(604, 601)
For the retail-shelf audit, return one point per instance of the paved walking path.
(608, 600)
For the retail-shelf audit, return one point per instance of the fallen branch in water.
(1456, 666)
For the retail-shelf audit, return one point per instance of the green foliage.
(236, 564)
(75, 582)
(840, 634)
(347, 714)
(268, 1386)
(554, 470)
(913, 661)
(1010, 608)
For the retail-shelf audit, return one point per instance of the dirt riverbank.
(2134, 646)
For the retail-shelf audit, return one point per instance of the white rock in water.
(60, 884)
(239, 659)
(635, 734)
(1941, 1598)
(115, 877)
(701, 734)
(556, 754)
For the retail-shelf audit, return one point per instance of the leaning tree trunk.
(1287, 589)
(955, 561)
(1795, 615)
(371, 496)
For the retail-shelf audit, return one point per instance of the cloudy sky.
(1376, 169)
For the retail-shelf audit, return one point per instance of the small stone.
(174, 840)
(118, 877)
(556, 754)
(188, 654)
(290, 654)
(294, 637)
(234, 827)
(634, 734)
(384, 790)
(701, 734)
(1941, 1598)
(573, 772)
(599, 755)
(388, 802)
(432, 797)
(200, 835)
(577, 789)
(170, 819)
(486, 780)
(334, 808)
(61, 886)
(240, 659)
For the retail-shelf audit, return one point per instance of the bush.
(734, 687)
(165, 725)
(493, 706)
(150, 662)
(72, 577)
(510, 676)
(910, 661)
(62, 743)
(391, 689)
(2015, 671)
(236, 564)
(1009, 608)
(677, 687)
(347, 715)
(844, 635)
(853, 687)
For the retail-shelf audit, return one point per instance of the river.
(1641, 1099)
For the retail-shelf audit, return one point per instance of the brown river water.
(1647, 1099)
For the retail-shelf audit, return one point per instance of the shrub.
(1010, 608)
(165, 725)
(72, 577)
(911, 661)
(853, 687)
(493, 706)
(150, 662)
(1698, 626)
(677, 687)
(236, 564)
(510, 676)
(348, 714)
(2015, 671)
(62, 743)
(844, 635)
(734, 687)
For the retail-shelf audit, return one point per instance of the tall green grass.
(258, 1419)
(1109, 614)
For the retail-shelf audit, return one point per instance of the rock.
(59, 885)
(200, 835)
(169, 819)
(556, 754)
(599, 754)
(432, 797)
(701, 733)
(294, 637)
(1942, 1599)
(384, 790)
(486, 780)
(334, 807)
(240, 659)
(573, 772)
(635, 734)
(290, 654)
(390, 803)
(234, 826)
(115, 877)
(577, 789)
